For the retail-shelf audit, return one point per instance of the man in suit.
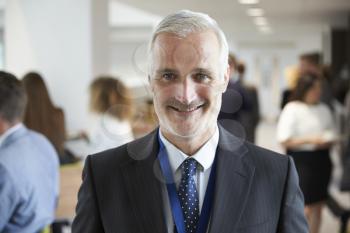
(239, 112)
(190, 174)
(28, 166)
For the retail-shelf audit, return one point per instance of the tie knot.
(189, 167)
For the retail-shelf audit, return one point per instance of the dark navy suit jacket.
(256, 190)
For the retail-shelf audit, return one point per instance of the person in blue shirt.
(29, 167)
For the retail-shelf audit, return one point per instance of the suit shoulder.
(253, 154)
(266, 158)
(127, 153)
(116, 155)
(266, 152)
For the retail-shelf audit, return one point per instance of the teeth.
(186, 110)
(192, 109)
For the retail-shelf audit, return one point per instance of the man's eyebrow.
(166, 70)
(202, 70)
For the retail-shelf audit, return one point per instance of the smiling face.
(187, 83)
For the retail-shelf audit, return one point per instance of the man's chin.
(186, 133)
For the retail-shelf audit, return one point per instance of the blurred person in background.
(43, 116)
(29, 178)
(237, 103)
(306, 129)
(347, 116)
(345, 146)
(111, 110)
(311, 63)
(333, 91)
(291, 75)
(250, 117)
(145, 120)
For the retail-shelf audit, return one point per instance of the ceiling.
(287, 18)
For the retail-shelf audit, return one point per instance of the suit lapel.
(234, 177)
(143, 186)
(233, 181)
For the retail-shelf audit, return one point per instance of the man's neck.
(6, 129)
(6, 125)
(189, 145)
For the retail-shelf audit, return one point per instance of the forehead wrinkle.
(170, 42)
(166, 45)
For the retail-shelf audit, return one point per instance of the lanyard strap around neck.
(174, 199)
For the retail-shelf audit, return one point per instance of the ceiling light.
(255, 12)
(248, 1)
(260, 21)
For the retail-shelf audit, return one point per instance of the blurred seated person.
(28, 166)
(111, 113)
(42, 116)
(145, 120)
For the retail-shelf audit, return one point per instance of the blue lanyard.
(173, 196)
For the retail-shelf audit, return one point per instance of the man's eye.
(202, 77)
(168, 76)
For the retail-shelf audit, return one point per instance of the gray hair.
(185, 22)
(13, 98)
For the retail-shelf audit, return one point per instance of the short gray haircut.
(185, 22)
(13, 98)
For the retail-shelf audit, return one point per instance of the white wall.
(130, 33)
(266, 62)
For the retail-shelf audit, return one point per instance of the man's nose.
(187, 91)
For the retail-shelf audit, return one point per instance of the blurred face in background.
(313, 95)
(306, 66)
(187, 83)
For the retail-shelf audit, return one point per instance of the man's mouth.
(186, 109)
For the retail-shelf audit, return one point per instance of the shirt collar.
(8, 132)
(204, 156)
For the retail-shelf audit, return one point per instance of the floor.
(266, 138)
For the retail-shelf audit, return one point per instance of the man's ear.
(226, 78)
(150, 83)
(231, 69)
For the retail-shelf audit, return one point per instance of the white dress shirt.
(205, 158)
